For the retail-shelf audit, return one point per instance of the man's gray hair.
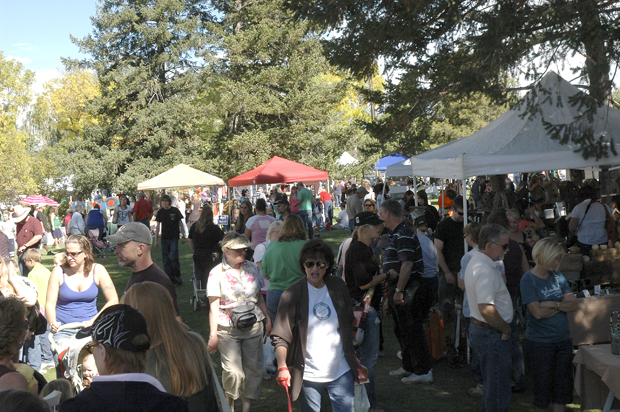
(142, 195)
(491, 232)
(393, 207)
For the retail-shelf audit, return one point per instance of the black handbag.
(243, 317)
(571, 239)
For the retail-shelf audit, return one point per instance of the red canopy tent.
(278, 170)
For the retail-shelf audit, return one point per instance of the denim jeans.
(495, 365)
(409, 324)
(351, 225)
(328, 206)
(273, 300)
(32, 352)
(46, 352)
(170, 258)
(146, 222)
(306, 217)
(552, 372)
(516, 353)
(368, 352)
(341, 394)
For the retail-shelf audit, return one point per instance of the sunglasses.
(505, 246)
(310, 264)
(369, 205)
(460, 213)
(74, 254)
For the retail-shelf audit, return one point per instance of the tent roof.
(384, 162)
(399, 169)
(515, 142)
(181, 176)
(278, 170)
(346, 159)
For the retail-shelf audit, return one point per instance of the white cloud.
(24, 60)
(25, 46)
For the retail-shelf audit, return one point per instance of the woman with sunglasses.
(361, 275)
(234, 294)
(74, 286)
(370, 206)
(315, 313)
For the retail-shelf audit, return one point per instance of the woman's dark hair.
(244, 193)
(587, 192)
(317, 249)
(422, 195)
(261, 205)
(205, 219)
(13, 400)
(12, 325)
(126, 198)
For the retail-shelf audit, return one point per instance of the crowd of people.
(273, 276)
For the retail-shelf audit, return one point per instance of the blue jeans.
(518, 363)
(495, 365)
(146, 222)
(341, 394)
(273, 301)
(552, 372)
(32, 352)
(170, 258)
(306, 217)
(328, 207)
(368, 352)
(351, 225)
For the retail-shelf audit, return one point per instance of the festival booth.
(181, 176)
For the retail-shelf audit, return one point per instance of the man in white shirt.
(342, 219)
(491, 316)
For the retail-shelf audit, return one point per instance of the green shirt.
(305, 196)
(40, 276)
(281, 264)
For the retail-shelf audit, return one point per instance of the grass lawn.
(447, 393)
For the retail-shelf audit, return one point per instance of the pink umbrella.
(38, 200)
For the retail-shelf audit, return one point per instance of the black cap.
(367, 218)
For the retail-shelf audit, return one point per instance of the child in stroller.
(100, 247)
(72, 353)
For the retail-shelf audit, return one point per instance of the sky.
(36, 32)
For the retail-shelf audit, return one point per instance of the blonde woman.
(178, 358)
(194, 205)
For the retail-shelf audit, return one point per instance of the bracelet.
(558, 305)
(284, 368)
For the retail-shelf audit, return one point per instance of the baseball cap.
(282, 202)
(118, 326)
(136, 231)
(367, 218)
(361, 191)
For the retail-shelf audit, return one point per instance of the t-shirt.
(534, 289)
(154, 274)
(169, 219)
(40, 276)
(450, 232)
(354, 206)
(235, 289)
(77, 222)
(344, 218)
(27, 230)
(484, 285)
(429, 254)
(95, 218)
(143, 209)
(41, 218)
(8, 228)
(592, 229)
(258, 226)
(403, 245)
(122, 216)
(325, 196)
(361, 266)
(281, 263)
(207, 242)
(305, 196)
(325, 361)
(464, 261)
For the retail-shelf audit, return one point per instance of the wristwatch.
(398, 290)
(558, 305)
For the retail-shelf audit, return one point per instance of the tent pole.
(464, 212)
(415, 191)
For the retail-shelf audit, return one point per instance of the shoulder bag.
(571, 239)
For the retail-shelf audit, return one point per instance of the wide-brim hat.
(235, 241)
(20, 213)
(367, 218)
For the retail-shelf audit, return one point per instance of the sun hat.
(235, 241)
(136, 231)
(20, 213)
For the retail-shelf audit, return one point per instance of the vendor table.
(590, 322)
(597, 379)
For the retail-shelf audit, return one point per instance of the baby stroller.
(99, 247)
(71, 352)
(200, 282)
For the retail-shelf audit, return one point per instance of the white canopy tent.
(517, 143)
(346, 159)
(181, 176)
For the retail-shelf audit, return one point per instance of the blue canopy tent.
(386, 161)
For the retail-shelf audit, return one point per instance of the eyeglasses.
(368, 205)
(90, 347)
(505, 246)
(74, 254)
(310, 264)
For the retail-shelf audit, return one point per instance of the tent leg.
(464, 211)
(415, 191)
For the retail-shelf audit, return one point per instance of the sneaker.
(399, 354)
(413, 378)
(50, 253)
(400, 372)
(477, 392)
